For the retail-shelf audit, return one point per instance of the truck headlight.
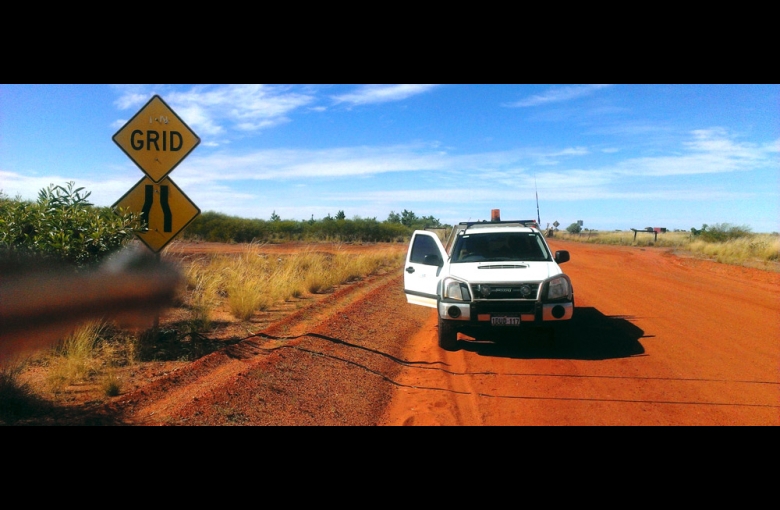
(558, 288)
(455, 289)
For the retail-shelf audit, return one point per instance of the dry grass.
(96, 356)
(761, 247)
(203, 293)
(623, 238)
(253, 281)
(753, 249)
(75, 358)
(89, 355)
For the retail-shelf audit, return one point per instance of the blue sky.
(614, 156)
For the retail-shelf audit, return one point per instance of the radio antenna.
(538, 218)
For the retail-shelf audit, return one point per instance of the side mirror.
(561, 256)
(433, 260)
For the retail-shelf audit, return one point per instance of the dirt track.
(661, 340)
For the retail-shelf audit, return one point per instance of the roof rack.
(522, 223)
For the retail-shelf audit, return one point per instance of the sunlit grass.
(762, 247)
(626, 238)
(743, 250)
(75, 358)
(203, 293)
(253, 281)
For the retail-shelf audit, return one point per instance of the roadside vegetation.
(725, 243)
(63, 226)
(252, 280)
(216, 227)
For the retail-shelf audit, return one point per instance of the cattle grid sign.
(157, 140)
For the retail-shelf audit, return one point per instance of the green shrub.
(63, 225)
(722, 232)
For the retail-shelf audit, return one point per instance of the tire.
(448, 336)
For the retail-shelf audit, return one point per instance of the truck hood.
(504, 272)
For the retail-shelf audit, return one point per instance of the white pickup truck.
(493, 277)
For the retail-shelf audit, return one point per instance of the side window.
(423, 245)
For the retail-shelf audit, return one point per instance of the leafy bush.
(574, 228)
(722, 232)
(62, 224)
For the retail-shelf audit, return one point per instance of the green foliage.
(217, 227)
(63, 225)
(574, 228)
(408, 218)
(721, 232)
(426, 222)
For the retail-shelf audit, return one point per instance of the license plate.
(505, 321)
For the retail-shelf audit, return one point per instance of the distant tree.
(393, 217)
(408, 218)
(430, 221)
(695, 231)
(340, 215)
(275, 217)
(574, 228)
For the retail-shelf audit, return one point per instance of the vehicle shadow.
(593, 336)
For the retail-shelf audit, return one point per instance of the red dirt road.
(660, 340)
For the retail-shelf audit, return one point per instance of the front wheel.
(448, 336)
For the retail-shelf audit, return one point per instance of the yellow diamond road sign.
(164, 208)
(156, 139)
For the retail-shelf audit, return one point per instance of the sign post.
(157, 140)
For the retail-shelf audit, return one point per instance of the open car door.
(424, 260)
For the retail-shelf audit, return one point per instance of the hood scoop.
(504, 266)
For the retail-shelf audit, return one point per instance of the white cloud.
(710, 151)
(557, 95)
(571, 151)
(368, 94)
(131, 99)
(213, 110)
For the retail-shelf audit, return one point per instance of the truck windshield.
(487, 247)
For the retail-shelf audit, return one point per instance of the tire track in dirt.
(338, 373)
(162, 401)
(326, 336)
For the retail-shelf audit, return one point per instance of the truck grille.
(511, 291)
